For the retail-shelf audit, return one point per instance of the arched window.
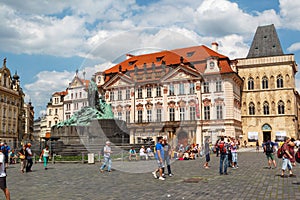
(251, 109)
(265, 83)
(280, 107)
(266, 108)
(250, 83)
(279, 81)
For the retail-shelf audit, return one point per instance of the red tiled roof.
(197, 55)
(62, 93)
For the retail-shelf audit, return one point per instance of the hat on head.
(29, 144)
(107, 142)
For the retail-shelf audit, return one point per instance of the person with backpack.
(223, 156)
(269, 149)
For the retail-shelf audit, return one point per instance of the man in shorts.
(159, 156)
(269, 149)
(3, 176)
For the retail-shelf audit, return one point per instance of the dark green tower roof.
(265, 43)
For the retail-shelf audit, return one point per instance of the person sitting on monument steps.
(132, 154)
(142, 153)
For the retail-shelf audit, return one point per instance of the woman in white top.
(45, 154)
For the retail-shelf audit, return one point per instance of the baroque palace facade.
(13, 117)
(184, 95)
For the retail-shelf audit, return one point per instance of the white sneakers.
(154, 174)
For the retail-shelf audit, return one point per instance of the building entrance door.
(266, 136)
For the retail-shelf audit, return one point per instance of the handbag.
(22, 157)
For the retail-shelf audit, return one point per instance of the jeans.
(223, 161)
(234, 157)
(168, 163)
(286, 163)
(29, 164)
(107, 161)
(45, 158)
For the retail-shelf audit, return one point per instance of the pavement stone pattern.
(252, 180)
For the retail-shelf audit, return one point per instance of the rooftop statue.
(97, 109)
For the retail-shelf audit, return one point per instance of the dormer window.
(190, 54)
(132, 62)
(158, 59)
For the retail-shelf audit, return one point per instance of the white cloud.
(289, 11)
(294, 47)
(40, 91)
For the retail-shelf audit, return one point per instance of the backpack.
(280, 152)
(222, 147)
(269, 147)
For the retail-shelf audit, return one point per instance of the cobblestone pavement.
(252, 180)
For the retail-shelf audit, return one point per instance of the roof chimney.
(214, 46)
(129, 56)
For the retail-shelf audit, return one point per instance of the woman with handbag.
(22, 156)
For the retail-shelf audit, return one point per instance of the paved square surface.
(190, 181)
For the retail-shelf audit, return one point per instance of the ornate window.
(140, 116)
(181, 88)
(149, 92)
(140, 93)
(119, 95)
(192, 88)
(127, 116)
(251, 109)
(266, 108)
(193, 113)
(172, 114)
(219, 86)
(265, 84)
(158, 91)
(127, 94)
(119, 115)
(250, 83)
(206, 87)
(171, 90)
(280, 107)
(279, 81)
(149, 115)
(219, 111)
(112, 96)
(207, 112)
(182, 114)
(158, 115)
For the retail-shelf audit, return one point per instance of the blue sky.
(47, 41)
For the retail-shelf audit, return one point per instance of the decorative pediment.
(76, 82)
(118, 81)
(182, 72)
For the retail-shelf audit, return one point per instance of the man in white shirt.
(107, 158)
(3, 176)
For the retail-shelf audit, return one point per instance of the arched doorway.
(266, 130)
